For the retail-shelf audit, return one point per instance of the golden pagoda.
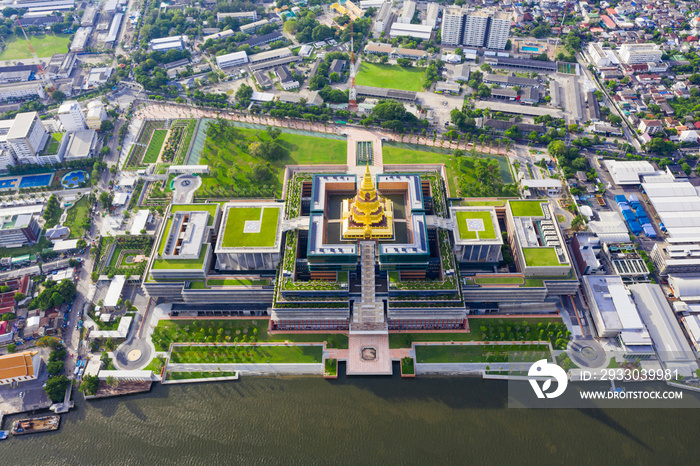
(367, 216)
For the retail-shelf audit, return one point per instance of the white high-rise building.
(71, 116)
(635, 54)
(475, 28)
(452, 25)
(27, 137)
(476, 25)
(499, 30)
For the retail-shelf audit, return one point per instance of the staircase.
(368, 315)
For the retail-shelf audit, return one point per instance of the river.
(389, 420)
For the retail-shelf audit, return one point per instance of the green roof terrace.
(526, 208)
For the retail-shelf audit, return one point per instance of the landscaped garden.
(198, 375)
(45, 45)
(53, 144)
(480, 353)
(78, 217)
(155, 146)
(232, 331)
(482, 329)
(250, 162)
(330, 368)
(138, 149)
(251, 354)
(475, 225)
(115, 255)
(464, 174)
(407, 366)
(390, 76)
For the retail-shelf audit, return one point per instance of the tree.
(106, 125)
(273, 132)
(112, 381)
(334, 77)
(58, 96)
(56, 388)
(81, 243)
(90, 385)
(578, 222)
(48, 342)
(244, 93)
(19, 296)
(659, 146)
(557, 148)
(106, 199)
(384, 59)
(55, 367)
(105, 152)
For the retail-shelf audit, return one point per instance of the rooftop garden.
(541, 257)
(463, 222)
(211, 208)
(449, 282)
(478, 203)
(293, 194)
(183, 264)
(235, 234)
(53, 144)
(232, 331)
(498, 280)
(526, 208)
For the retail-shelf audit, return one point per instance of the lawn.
(468, 202)
(54, 143)
(184, 264)
(465, 232)
(393, 153)
(232, 330)
(164, 238)
(390, 76)
(247, 354)
(540, 257)
(155, 146)
(237, 282)
(480, 353)
(211, 208)
(526, 208)
(232, 164)
(235, 234)
(498, 280)
(76, 216)
(45, 45)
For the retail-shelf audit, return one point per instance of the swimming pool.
(34, 181)
(8, 183)
(74, 179)
(530, 49)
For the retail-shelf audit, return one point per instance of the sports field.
(45, 45)
(390, 76)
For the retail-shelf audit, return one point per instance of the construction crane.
(352, 95)
(40, 66)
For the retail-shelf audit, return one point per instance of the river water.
(387, 420)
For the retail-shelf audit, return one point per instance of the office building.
(168, 43)
(18, 225)
(96, 114)
(232, 59)
(71, 116)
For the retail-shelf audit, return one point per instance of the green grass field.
(540, 257)
(463, 224)
(54, 144)
(480, 353)
(236, 237)
(498, 280)
(405, 153)
(390, 76)
(184, 264)
(468, 202)
(155, 146)
(237, 282)
(232, 164)
(76, 215)
(45, 45)
(526, 208)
